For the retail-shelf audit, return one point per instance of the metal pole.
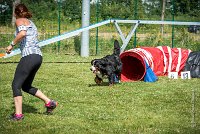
(59, 5)
(135, 16)
(97, 29)
(85, 22)
(173, 25)
(162, 17)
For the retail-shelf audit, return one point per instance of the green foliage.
(188, 40)
(44, 9)
(4, 40)
(72, 9)
(178, 7)
(124, 9)
(77, 44)
(191, 7)
(5, 12)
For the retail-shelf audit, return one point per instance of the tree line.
(124, 9)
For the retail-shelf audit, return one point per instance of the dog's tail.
(116, 48)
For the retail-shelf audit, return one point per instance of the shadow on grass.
(28, 109)
(102, 84)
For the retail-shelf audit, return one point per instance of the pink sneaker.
(16, 117)
(51, 106)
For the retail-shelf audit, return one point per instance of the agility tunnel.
(161, 60)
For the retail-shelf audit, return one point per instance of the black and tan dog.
(109, 66)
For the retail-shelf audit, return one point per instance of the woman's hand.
(9, 49)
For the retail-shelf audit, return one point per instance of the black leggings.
(25, 73)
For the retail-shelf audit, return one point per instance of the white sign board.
(173, 75)
(185, 75)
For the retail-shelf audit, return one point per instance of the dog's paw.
(111, 84)
(98, 80)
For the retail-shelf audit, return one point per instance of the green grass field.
(163, 107)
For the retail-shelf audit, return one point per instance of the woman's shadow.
(29, 109)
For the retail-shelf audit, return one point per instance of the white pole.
(85, 22)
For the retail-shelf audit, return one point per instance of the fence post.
(135, 17)
(59, 10)
(97, 29)
(173, 25)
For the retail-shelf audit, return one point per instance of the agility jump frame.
(125, 40)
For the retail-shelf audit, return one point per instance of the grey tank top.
(29, 44)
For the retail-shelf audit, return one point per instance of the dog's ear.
(92, 62)
(116, 48)
(116, 42)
